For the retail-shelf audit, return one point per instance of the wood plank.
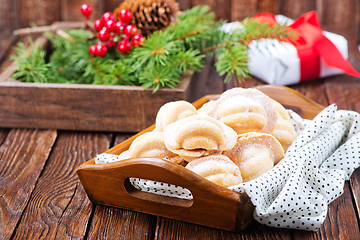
(241, 9)
(22, 157)
(70, 9)
(113, 223)
(110, 5)
(8, 22)
(220, 7)
(39, 12)
(121, 137)
(172, 229)
(3, 134)
(334, 16)
(293, 8)
(184, 4)
(268, 6)
(314, 90)
(59, 207)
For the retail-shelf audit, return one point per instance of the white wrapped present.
(319, 54)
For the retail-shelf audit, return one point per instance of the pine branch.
(160, 62)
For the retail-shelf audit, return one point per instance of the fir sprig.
(160, 62)
(31, 65)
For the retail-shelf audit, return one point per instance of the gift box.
(315, 54)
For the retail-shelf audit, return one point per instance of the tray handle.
(109, 184)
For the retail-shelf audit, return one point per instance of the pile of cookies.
(236, 138)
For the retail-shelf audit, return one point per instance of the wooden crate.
(79, 106)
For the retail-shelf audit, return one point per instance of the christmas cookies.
(236, 138)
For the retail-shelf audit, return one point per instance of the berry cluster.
(113, 33)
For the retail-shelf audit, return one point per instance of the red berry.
(138, 40)
(111, 43)
(110, 25)
(103, 35)
(98, 24)
(86, 10)
(130, 30)
(101, 50)
(92, 50)
(125, 15)
(108, 16)
(119, 27)
(124, 46)
(124, 37)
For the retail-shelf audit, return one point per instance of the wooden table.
(41, 196)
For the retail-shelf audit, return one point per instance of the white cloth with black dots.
(296, 192)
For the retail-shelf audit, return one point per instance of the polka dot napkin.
(296, 192)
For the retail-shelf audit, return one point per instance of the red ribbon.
(312, 45)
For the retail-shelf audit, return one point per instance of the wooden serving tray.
(78, 106)
(212, 205)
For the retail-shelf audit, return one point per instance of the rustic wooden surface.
(341, 15)
(47, 201)
(41, 198)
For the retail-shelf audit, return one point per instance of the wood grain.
(241, 9)
(341, 17)
(3, 134)
(268, 6)
(58, 208)
(82, 107)
(119, 138)
(220, 7)
(172, 229)
(110, 5)
(70, 9)
(112, 223)
(184, 4)
(39, 12)
(22, 156)
(293, 8)
(8, 20)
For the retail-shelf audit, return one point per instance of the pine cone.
(150, 15)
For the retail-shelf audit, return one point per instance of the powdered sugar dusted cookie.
(218, 169)
(173, 111)
(124, 155)
(198, 136)
(151, 144)
(244, 110)
(284, 131)
(255, 154)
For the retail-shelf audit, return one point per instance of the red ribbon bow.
(312, 45)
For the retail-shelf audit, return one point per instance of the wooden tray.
(212, 205)
(78, 106)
